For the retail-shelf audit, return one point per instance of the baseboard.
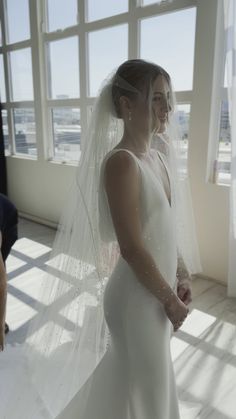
(208, 278)
(38, 220)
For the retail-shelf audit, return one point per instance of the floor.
(203, 350)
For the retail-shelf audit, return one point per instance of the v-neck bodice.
(154, 204)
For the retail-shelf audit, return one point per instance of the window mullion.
(8, 89)
(36, 69)
(133, 35)
(83, 67)
(218, 81)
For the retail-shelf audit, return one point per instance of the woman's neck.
(136, 142)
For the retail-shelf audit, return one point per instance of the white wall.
(39, 188)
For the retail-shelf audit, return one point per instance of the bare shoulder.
(121, 159)
(121, 164)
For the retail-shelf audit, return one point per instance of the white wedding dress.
(135, 378)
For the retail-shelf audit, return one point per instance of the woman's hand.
(176, 311)
(184, 291)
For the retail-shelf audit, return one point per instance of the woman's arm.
(3, 297)
(122, 185)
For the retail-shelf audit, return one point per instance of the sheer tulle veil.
(68, 337)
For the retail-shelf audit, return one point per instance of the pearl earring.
(130, 116)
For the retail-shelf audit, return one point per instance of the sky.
(167, 40)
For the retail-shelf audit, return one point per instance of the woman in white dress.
(99, 347)
(135, 379)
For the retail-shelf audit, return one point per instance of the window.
(76, 45)
(18, 107)
(2, 80)
(147, 2)
(5, 132)
(220, 152)
(62, 71)
(63, 68)
(16, 11)
(24, 131)
(66, 133)
(104, 60)
(105, 8)
(61, 14)
(21, 75)
(177, 29)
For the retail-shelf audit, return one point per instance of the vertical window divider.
(133, 31)
(83, 68)
(47, 128)
(34, 16)
(6, 65)
(217, 82)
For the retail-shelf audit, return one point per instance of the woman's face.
(160, 104)
(152, 119)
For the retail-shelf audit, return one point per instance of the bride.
(100, 349)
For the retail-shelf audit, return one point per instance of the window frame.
(219, 93)
(40, 37)
(10, 104)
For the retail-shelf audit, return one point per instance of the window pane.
(226, 75)
(66, 133)
(5, 132)
(224, 153)
(0, 33)
(104, 8)
(17, 19)
(25, 135)
(2, 81)
(21, 74)
(183, 118)
(61, 14)
(63, 67)
(168, 40)
(103, 60)
(146, 2)
(183, 115)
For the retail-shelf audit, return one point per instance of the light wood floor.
(203, 350)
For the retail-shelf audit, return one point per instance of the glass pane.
(183, 115)
(66, 133)
(17, 19)
(61, 14)
(0, 32)
(147, 2)
(103, 60)
(168, 40)
(226, 75)
(224, 153)
(25, 134)
(5, 132)
(63, 67)
(2, 81)
(104, 8)
(21, 74)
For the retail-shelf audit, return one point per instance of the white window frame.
(39, 37)
(219, 93)
(10, 105)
